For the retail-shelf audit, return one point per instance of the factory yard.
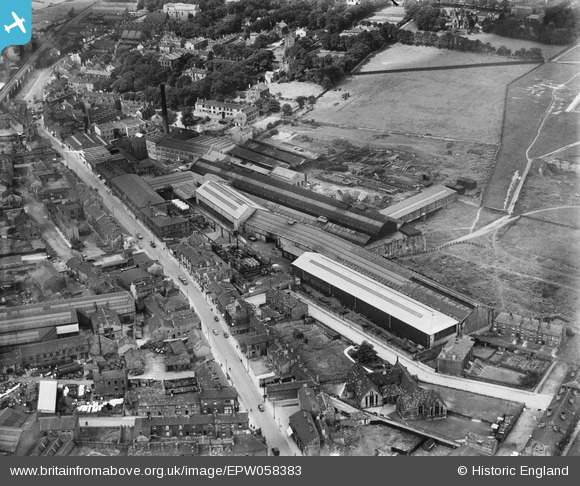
(468, 103)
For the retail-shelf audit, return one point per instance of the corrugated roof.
(227, 199)
(409, 311)
(414, 203)
(47, 396)
(137, 190)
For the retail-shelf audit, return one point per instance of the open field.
(402, 56)
(52, 10)
(294, 89)
(515, 44)
(571, 56)
(532, 281)
(390, 14)
(460, 104)
(529, 99)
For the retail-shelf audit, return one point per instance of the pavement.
(223, 349)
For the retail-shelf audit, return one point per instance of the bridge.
(10, 89)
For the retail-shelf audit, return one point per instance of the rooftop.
(414, 203)
(457, 349)
(227, 199)
(410, 311)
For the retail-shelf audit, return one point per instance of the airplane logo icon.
(17, 23)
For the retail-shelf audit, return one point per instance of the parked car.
(216, 318)
(261, 407)
(215, 332)
(140, 236)
(226, 335)
(152, 243)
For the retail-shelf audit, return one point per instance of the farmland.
(460, 104)
(402, 56)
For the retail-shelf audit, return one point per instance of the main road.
(223, 349)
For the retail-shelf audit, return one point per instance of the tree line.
(304, 63)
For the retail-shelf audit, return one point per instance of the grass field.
(529, 100)
(463, 104)
(294, 89)
(516, 44)
(402, 56)
(51, 10)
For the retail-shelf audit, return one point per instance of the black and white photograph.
(257, 228)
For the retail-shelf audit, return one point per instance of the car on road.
(139, 236)
(152, 243)
(215, 332)
(261, 407)
(226, 335)
(216, 318)
(182, 279)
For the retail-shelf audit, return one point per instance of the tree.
(301, 100)
(187, 118)
(273, 105)
(286, 109)
(366, 353)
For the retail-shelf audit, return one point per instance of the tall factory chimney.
(164, 109)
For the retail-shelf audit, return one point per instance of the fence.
(445, 68)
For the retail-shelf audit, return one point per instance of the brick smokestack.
(164, 109)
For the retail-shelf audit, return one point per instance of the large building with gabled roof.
(389, 309)
(224, 204)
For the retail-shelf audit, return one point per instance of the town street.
(223, 348)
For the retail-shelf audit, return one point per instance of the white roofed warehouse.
(225, 205)
(387, 308)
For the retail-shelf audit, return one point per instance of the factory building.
(328, 209)
(389, 309)
(419, 206)
(297, 238)
(225, 205)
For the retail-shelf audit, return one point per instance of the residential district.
(270, 227)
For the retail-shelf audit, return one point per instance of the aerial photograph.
(290, 228)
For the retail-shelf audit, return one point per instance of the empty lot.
(462, 104)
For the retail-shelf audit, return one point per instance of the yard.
(321, 355)
(372, 440)
(501, 375)
(475, 406)
(403, 56)
(458, 104)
